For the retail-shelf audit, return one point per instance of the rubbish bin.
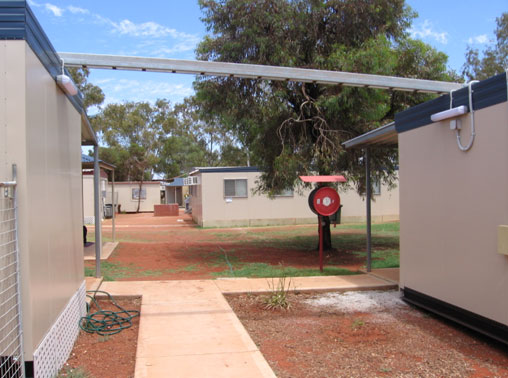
(108, 211)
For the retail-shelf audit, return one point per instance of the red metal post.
(320, 244)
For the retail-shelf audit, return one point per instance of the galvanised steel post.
(97, 210)
(369, 194)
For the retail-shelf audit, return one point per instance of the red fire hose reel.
(324, 201)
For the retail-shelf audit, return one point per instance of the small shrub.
(278, 297)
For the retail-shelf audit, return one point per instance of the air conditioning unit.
(192, 180)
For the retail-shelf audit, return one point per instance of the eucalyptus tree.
(294, 129)
(138, 128)
(494, 59)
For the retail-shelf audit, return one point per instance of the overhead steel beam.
(254, 71)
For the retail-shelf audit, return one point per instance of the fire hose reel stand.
(324, 201)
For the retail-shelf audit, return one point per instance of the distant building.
(222, 197)
(127, 195)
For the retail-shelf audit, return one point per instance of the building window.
(235, 188)
(376, 187)
(286, 193)
(135, 194)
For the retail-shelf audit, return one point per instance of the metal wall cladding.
(486, 93)
(17, 21)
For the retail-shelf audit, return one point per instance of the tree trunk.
(327, 235)
(139, 194)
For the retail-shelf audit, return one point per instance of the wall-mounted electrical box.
(502, 239)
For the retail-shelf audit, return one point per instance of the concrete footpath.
(188, 329)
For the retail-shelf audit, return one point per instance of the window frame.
(376, 187)
(136, 197)
(235, 195)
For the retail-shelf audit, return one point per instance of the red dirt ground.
(308, 342)
(172, 248)
(304, 341)
(107, 356)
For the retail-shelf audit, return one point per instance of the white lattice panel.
(56, 347)
(89, 220)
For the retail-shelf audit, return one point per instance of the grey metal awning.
(255, 71)
(88, 137)
(384, 135)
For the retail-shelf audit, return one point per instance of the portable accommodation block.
(454, 207)
(223, 197)
(453, 178)
(41, 132)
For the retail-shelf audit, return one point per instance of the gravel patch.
(359, 301)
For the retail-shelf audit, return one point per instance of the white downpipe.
(471, 110)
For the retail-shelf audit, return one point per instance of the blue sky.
(172, 29)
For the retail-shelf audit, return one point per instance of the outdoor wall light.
(450, 113)
(455, 123)
(66, 83)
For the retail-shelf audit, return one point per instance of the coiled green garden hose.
(106, 322)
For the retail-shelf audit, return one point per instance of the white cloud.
(33, 3)
(77, 10)
(119, 90)
(424, 31)
(147, 29)
(58, 12)
(479, 39)
(153, 39)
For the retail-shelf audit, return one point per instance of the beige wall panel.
(129, 205)
(255, 206)
(384, 207)
(451, 205)
(257, 210)
(196, 200)
(13, 144)
(53, 198)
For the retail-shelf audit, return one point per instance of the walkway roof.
(255, 71)
(384, 135)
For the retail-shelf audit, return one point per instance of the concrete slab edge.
(388, 286)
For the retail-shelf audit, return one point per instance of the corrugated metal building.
(42, 130)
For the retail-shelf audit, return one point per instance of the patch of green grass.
(262, 270)
(89, 272)
(353, 242)
(254, 233)
(375, 227)
(190, 268)
(341, 241)
(68, 372)
(114, 271)
(388, 258)
(219, 258)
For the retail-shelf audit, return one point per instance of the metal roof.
(384, 135)
(87, 162)
(323, 178)
(177, 181)
(224, 169)
(255, 71)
